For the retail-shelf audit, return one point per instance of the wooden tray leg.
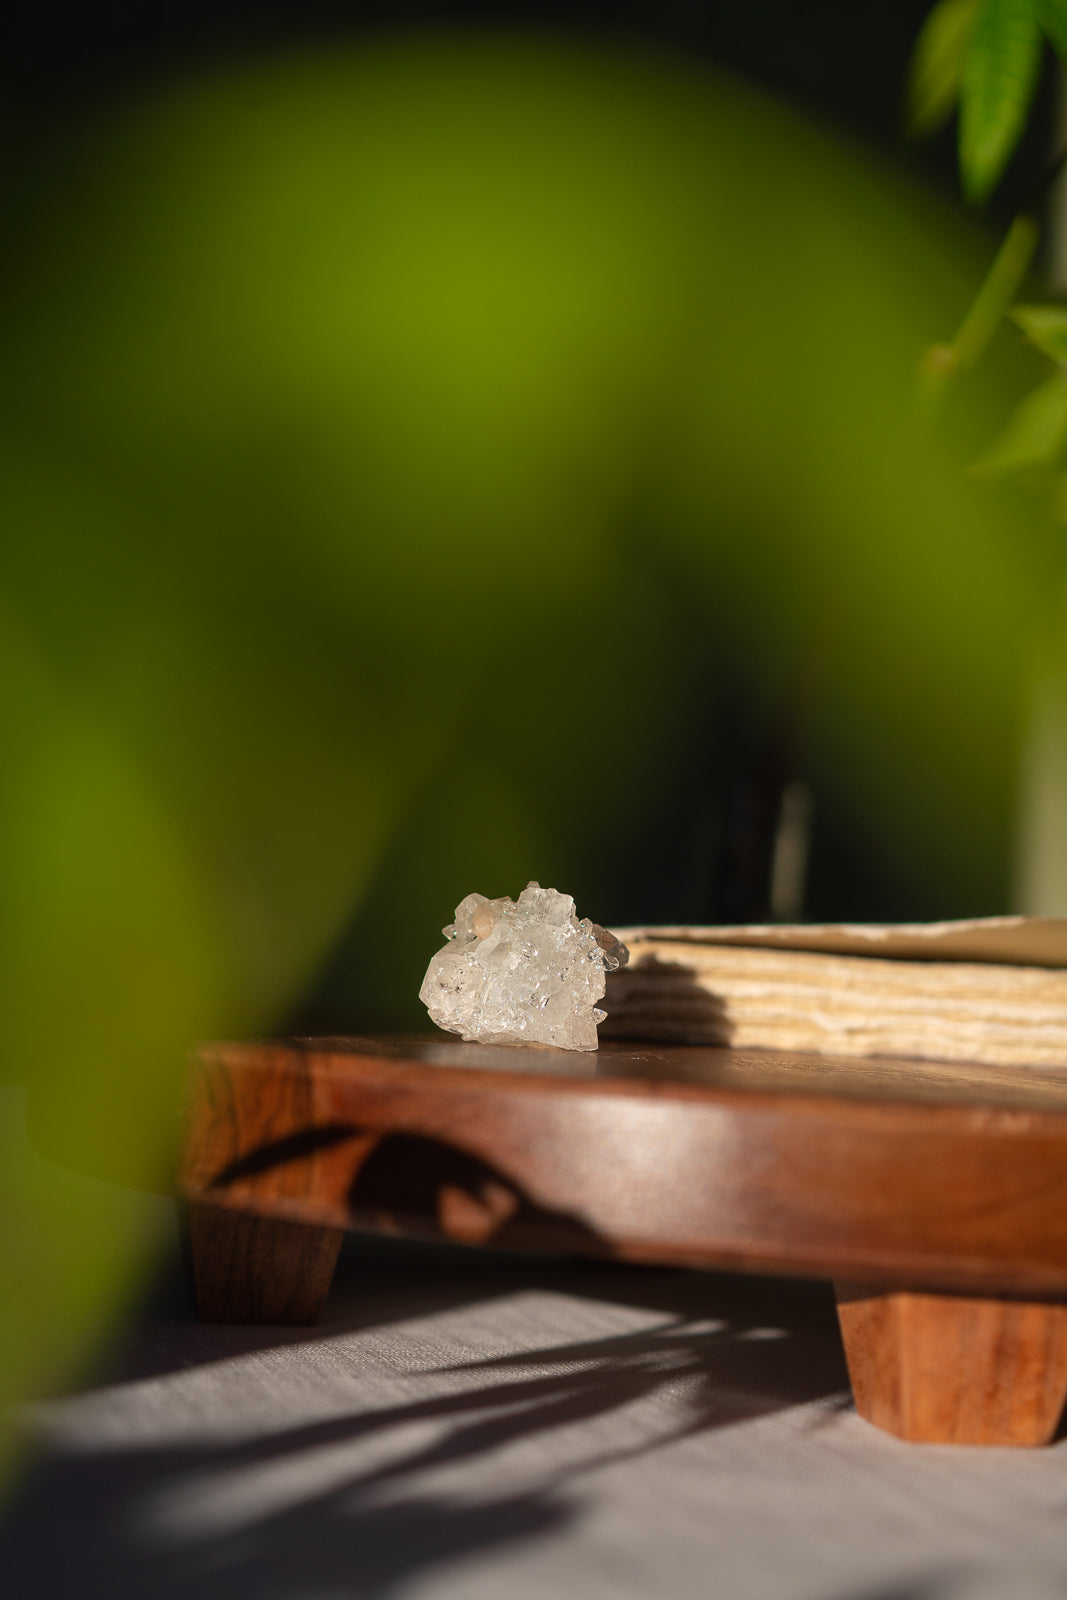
(259, 1269)
(954, 1369)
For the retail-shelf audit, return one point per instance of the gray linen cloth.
(475, 1426)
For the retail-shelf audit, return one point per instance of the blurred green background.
(435, 460)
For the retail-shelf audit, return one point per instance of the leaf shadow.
(364, 1501)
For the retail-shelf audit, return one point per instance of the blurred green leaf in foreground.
(383, 436)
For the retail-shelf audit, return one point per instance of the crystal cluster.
(522, 971)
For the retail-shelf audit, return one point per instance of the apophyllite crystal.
(521, 971)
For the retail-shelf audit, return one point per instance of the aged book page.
(992, 991)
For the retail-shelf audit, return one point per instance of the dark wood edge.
(391, 1091)
(813, 1103)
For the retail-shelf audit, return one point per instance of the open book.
(991, 991)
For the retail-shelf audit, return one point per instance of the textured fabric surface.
(470, 1426)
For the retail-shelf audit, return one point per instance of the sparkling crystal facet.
(521, 971)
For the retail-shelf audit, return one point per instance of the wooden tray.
(934, 1196)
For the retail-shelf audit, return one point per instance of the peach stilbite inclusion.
(523, 971)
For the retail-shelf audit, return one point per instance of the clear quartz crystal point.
(522, 971)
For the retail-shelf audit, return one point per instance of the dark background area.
(842, 61)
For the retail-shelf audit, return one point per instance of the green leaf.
(941, 363)
(1036, 432)
(998, 79)
(936, 64)
(998, 289)
(1053, 15)
(1045, 327)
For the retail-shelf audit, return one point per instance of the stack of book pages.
(992, 991)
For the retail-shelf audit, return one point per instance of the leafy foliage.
(997, 81)
(985, 314)
(1045, 327)
(985, 55)
(1035, 434)
(934, 84)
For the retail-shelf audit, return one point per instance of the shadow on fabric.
(365, 1501)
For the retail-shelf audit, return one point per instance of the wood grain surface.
(881, 1173)
(955, 1369)
(254, 1269)
(940, 1191)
